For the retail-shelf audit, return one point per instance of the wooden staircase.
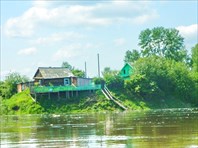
(109, 96)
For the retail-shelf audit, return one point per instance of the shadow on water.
(156, 128)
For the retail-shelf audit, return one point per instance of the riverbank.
(23, 103)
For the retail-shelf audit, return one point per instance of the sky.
(43, 33)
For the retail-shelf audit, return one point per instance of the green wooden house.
(126, 71)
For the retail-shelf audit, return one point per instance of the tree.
(76, 72)
(131, 56)
(107, 72)
(172, 79)
(195, 58)
(67, 65)
(112, 79)
(139, 86)
(163, 42)
(9, 86)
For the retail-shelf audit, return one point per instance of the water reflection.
(157, 128)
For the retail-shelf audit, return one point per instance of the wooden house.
(58, 76)
(52, 76)
(24, 85)
(126, 71)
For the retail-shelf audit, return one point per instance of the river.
(169, 128)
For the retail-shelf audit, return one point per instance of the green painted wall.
(126, 71)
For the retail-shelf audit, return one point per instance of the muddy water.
(157, 128)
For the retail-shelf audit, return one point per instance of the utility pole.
(85, 70)
(98, 66)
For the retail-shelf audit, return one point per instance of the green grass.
(22, 103)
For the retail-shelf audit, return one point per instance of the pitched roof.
(130, 65)
(52, 72)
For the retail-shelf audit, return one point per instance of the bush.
(140, 86)
(115, 83)
(158, 77)
(97, 80)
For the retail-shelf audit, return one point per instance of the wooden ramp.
(109, 96)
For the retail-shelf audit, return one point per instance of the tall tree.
(131, 56)
(163, 42)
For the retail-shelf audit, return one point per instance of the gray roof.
(52, 72)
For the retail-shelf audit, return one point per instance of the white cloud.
(119, 41)
(190, 31)
(72, 51)
(66, 52)
(66, 36)
(41, 3)
(145, 17)
(103, 13)
(190, 34)
(27, 51)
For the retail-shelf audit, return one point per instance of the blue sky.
(46, 33)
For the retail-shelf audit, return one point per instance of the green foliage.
(195, 58)
(76, 72)
(141, 87)
(20, 103)
(97, 80)
(194, 77)
(169, 78)
(112, 79)
(67, 65)
(9, 86)
(163, 42)
(115, 83)
(107, 72)
(131, 56)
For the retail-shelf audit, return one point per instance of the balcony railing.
(45, 89)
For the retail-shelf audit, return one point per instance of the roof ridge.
(53, 67)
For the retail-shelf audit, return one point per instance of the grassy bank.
(23, 103)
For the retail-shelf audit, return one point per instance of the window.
(124, 71)
(66, 81)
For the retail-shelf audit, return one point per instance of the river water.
(170, 128)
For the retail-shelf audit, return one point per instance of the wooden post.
(76, 93)
(85, 70)
(72, 93)
(67, 93)
(58, 96)
(49, 96)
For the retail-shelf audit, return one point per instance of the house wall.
(60, 81)
(23, 86)
(54, 82)
(83, 81)
(19, 88)
(126, 71)
(74, 81)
